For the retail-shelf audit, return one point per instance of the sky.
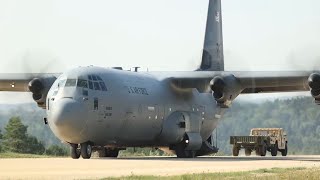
(161, 35)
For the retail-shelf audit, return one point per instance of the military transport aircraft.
(109, 109)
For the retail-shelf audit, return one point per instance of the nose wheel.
(86, 150)
(75, 151)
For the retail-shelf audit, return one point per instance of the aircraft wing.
(19, 81)
(248, 82)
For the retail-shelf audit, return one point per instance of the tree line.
(16, 139)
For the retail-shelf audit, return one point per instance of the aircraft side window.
(103, 86)
(96, 86)
(85, 92)
(90, 85)
(71, 82)
(90, 77)
(99, 78)
(96, 104)
(94, 77)
(82, 83)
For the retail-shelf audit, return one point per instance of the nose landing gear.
(75, 151)
(86, 150)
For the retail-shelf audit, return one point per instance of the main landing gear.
(85, 150)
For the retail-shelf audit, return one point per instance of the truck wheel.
(263, 150)
(274, 149)
(284, 151)
(258, 153)
(247, 152)
(235, 151)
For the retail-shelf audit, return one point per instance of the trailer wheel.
(235, 150)
(274, 149)
(247, 152)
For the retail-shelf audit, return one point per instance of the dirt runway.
(65, 168)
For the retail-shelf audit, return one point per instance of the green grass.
(18, 155)
(262, 174)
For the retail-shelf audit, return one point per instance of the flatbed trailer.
(259, 144)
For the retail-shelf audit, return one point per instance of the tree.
(0, 141)
(34, 146)
(56, 150)
(14, 139)
(17, 140)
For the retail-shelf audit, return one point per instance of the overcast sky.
(55, 35)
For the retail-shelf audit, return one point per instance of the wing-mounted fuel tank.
(225, 89)
(314, 84)
(39, 87)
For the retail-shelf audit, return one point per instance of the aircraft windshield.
(71, 83)
(82, 83)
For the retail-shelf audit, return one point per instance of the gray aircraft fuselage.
(135, 109)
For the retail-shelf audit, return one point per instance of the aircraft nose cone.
(68, 118)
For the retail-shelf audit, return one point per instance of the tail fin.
(212, 57)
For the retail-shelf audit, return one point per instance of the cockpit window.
(96, 83)
(96, 86)
(103, 86)
(71, 82)
(62, 83)
(90, 85)
(82, 83)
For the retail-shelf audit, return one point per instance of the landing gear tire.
(75, 151)
(106, 152)
(113, 153)
(274, 149)
(284, 152)
(86, 150)
(182, 153)
(235, 151)
(247, 152)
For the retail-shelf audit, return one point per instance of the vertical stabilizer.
(212, 57)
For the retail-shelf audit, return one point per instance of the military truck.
(261, 140)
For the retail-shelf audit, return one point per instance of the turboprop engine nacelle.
(39, 88)
(225, 89)
(314, 84)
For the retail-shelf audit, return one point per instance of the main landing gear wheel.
(86, 150)
(106, 152)
(182, 153)
(75, 151)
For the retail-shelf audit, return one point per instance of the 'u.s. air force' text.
(137, 90)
